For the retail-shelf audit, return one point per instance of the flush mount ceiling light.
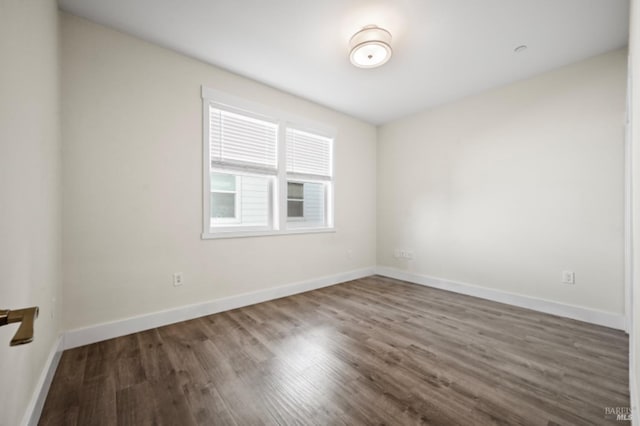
(370, 47)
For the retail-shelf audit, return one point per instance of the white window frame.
(278, 191)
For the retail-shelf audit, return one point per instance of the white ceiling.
(443, 49)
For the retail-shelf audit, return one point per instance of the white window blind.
(308, 154)
(241, 140)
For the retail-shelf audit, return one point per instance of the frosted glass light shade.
(370, 47)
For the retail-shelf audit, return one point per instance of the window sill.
(271, 233)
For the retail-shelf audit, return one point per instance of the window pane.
(223, 182)
(241, 200)
(223, 205)
(295, 208)
(314, 203)
(295, 190)
(309, 210)
(254, 200)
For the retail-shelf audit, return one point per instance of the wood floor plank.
(66, 387)
(98, 402)
(370, 351)
(206, 405)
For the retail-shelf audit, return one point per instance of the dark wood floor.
(370, 351)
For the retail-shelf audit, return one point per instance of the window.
(239, 200)
(224, 198)
(295, 200)
(265, 173)
(308, 178)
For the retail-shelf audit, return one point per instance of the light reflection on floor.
(304, 367)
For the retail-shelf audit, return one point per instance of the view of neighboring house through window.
(239, 200)
(295, 200)
(224, 197)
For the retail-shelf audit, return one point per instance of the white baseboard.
(633, 393)
(104, 331)
(607, 319)
(633, 379)
(34, 409)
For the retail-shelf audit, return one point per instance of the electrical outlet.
(403, 254)
(177, 279)
(568, 277)
(349, 254)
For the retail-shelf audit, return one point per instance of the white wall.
(508, 188)
(132, 182)
(29, 193)
(634, 69)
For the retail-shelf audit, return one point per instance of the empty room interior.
(243, 212)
